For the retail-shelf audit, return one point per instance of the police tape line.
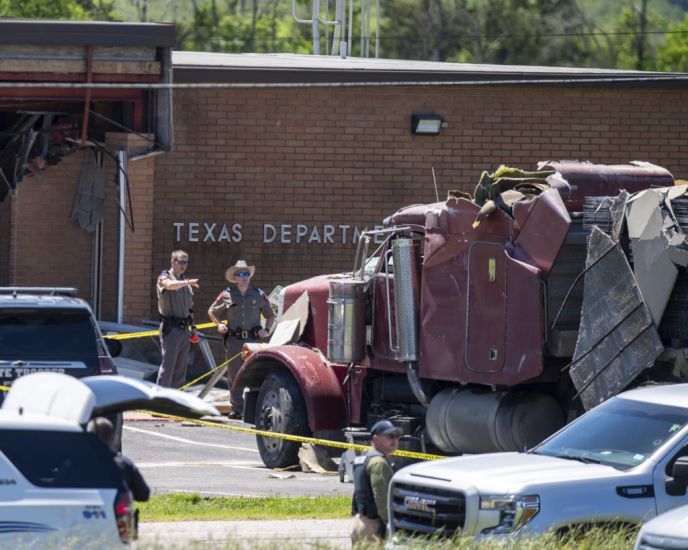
(202, 376)
(156, 332)
(288, 437)
(291, 437)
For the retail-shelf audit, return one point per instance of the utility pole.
(640, 61)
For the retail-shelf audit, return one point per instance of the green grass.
(189, 507)
(612, 538)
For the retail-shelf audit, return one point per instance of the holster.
(168, 323)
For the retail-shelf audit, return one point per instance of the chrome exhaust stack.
(406, 262)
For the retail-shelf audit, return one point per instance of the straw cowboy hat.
(241, 265)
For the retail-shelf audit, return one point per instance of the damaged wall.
(311, 157)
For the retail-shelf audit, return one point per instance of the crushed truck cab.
(484, 323)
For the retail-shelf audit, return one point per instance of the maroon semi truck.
(485, 323)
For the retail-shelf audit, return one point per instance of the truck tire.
(280, 408)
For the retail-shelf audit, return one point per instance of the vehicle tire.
(280, 408)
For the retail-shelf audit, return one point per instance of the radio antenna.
(434, 180)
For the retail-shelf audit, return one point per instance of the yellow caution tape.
(288, 437)
(210, 372)
(296, 438)
(132, 335)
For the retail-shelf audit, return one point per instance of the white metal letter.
(269, 232)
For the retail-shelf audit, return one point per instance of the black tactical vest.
(363, 501)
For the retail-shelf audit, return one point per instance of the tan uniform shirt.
(242, 310)
(174, 303)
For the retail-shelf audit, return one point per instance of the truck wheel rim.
(273, 421)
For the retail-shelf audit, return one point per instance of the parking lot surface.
(185, 457)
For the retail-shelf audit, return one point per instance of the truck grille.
(423, 511)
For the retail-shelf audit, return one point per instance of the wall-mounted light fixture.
(426, 124)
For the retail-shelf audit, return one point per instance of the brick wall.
(46, 249)
(314, 157)
(347, 156)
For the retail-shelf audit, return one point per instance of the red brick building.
(280, 160)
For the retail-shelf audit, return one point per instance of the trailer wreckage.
(485, 323)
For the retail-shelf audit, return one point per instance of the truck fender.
(321, 390)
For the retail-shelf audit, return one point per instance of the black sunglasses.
(183, 262)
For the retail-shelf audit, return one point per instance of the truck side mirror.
(676, 485)
(680, 469)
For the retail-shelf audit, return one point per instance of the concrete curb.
(334, 533)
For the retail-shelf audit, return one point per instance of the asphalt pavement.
(185, 457)
(178, 456)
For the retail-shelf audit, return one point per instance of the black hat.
(385, 427)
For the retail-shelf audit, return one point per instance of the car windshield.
(28, 334)
(621, 433)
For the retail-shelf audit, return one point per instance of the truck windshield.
(621, 433)
(28, 334)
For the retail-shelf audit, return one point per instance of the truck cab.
(461, 319)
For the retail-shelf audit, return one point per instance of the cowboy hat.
(241, 265)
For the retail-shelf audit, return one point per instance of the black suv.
(50, 330)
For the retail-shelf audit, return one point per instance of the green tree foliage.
(58, 9)
(249, 26)
(624, 34)
(672, 55)
(635, 42)
(532, 32)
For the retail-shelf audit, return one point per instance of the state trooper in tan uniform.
(242, 305)
(175, 305)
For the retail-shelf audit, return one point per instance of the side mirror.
(680, 469)
(677, 484)
(114, 347)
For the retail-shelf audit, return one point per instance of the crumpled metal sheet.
(87, 211)
(542, 247)
(617, 339)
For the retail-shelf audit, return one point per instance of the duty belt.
(179, 322)
(244, 334)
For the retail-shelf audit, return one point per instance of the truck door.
(384, 328)
(486, 310)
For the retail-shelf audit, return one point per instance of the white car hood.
(670, 524)
(78, 400)
(509, 472)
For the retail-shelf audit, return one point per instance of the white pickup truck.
(625, 461)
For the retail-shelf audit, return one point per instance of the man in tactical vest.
(372, 474)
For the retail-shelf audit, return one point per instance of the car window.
(47, 334)
(620, 432)
(61, 459)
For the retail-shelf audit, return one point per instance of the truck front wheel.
(281, 409)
